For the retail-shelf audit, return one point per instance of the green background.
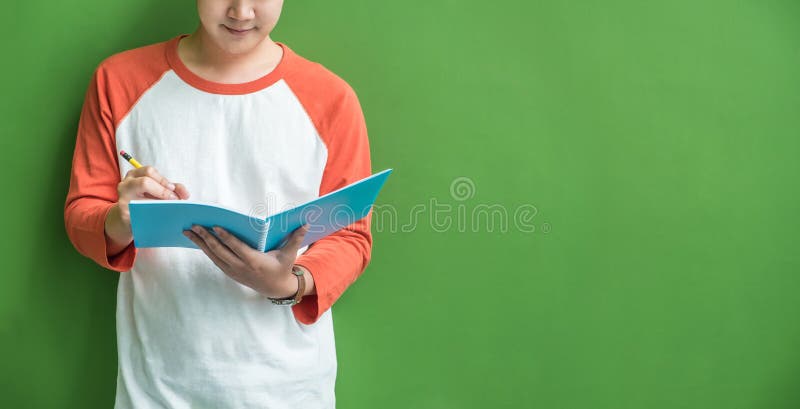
(658, 142)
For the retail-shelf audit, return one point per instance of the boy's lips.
(237, 32)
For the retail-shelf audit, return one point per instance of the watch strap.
(301, 287)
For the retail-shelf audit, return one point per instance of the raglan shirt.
(188, 335)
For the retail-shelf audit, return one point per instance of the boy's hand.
(268, 273)
(140, 183)
(147, 183)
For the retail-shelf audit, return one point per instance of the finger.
(288, 253)
(149, 186)
(151, 172)
(242, 249)
(220, 250)
(196, 239)
(181, 191)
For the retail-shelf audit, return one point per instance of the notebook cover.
(160, 223)
(328, 213)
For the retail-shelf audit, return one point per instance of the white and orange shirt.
(188, 335)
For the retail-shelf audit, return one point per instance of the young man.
(243, 121)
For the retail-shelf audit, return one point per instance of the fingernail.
(171, 186)
(173, 196)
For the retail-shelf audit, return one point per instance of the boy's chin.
(238, 45)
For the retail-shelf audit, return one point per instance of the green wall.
(657, 141)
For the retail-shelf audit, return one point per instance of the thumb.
(181, 191)
(294, 242)
(296, 239)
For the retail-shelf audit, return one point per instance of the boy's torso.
(189, 336)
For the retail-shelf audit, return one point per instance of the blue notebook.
(160, 223)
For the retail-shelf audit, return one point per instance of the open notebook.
(160, 223)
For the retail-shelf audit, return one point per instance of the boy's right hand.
(140, 183)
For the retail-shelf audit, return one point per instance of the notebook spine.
(262, 241)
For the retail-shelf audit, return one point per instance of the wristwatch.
(301, 287)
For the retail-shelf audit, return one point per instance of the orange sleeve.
(94, 179)
(117, 83)
(336, 261)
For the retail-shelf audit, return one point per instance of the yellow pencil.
(130, 159)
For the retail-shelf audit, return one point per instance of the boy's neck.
(202, 56)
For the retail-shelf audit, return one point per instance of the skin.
(218, 55)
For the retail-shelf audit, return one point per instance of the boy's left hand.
(268, 273)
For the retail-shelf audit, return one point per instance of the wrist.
(293, 288)
(289, 287)
(117, 230)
